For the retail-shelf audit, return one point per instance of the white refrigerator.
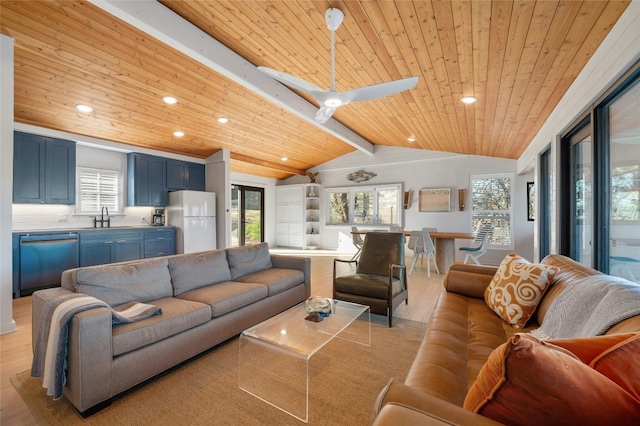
(193, 213)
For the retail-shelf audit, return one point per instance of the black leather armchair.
(380, 280)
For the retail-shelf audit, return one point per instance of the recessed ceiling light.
(411, 139)
(84, 108)
(169, 100)
(178, 134)
(223, 120)
(469, 99)
(284, 158)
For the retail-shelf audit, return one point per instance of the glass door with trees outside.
(577, 198)
(247, 215)
(623, 133)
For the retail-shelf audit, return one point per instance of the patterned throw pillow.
(517, 288)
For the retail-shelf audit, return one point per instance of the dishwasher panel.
(43, 258)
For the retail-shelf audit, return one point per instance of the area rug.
(345, 379)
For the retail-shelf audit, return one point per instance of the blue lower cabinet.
(159, 242)
(103, 247)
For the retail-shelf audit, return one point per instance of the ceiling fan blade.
(324, 114)
(379, 90)
(290, 80)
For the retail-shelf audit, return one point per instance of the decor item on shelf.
(462, 197)
(407, 200)
(312, 193)
(312, 176)
(318, 305)
(331, 99)
(360, 176)
(434, 200)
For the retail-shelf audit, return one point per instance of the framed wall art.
(434, 200)
(531, 201)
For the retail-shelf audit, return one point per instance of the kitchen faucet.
(102, 219)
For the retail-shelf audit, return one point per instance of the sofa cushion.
(517, 288)
(115, 284)
(248, 259)
(192, 271)
(177, 316)
(277, 280)
(615, 356)
(227, 296)
(367, 285)
(530, 382)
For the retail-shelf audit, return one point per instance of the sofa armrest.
(293, 262)
(398, 414)
(419, 405)
(469, 280)
(38, 300)
(89, 353)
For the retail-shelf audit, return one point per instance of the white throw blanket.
(50, 352)
(589, 307)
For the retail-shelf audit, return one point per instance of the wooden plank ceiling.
(517, 57)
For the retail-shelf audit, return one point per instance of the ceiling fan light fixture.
(332, 102)
(169, 100)
(469, 99)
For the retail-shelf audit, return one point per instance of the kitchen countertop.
(69, 230)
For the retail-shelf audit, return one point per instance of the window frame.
(117, 195)
(375, 189)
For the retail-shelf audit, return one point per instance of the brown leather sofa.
(461, 334)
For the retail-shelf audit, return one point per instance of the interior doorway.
(247, 215)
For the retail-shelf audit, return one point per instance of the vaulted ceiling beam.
(267, 164)
(161, 23)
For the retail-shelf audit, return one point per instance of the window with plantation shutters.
(491, 205)
(99, 188)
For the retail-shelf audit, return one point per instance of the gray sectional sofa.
(206, 298)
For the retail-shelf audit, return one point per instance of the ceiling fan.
(331, 99)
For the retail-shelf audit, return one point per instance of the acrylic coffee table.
(275, 354)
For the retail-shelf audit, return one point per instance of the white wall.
(6, 183)
(217, 181)
(394, 165)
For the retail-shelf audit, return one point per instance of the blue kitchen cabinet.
(159, 242)
(15, 270)
(177, 175)
(147, 184)
(196, 179)
(44, 170)
(185, 175)
(103, 247)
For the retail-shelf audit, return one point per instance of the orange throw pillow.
(616, 356)
(530, 382)
(517, 288)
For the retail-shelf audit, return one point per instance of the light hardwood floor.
(16, 352)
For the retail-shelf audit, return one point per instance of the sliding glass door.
(247, 215)
(599, 190)
(577, 195)
(544, 197)
(624, 199)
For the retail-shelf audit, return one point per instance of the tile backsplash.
(49, 216)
